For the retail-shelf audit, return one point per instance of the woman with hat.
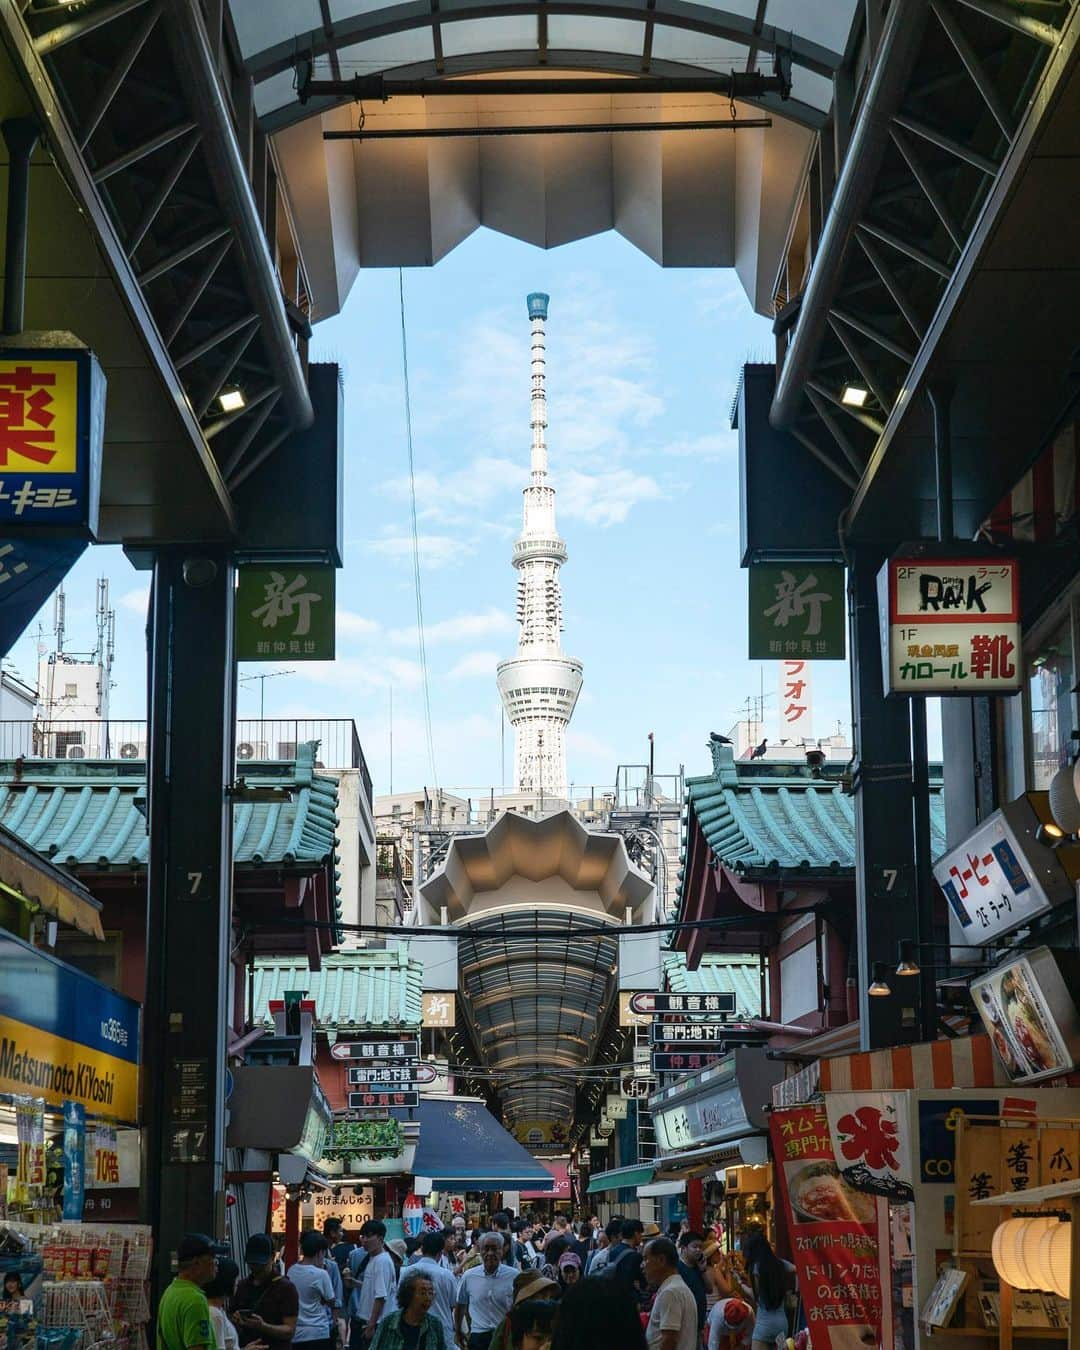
(569, 1270)
(529, 1286)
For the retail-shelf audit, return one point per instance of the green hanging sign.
(797, 610)
(285, 610)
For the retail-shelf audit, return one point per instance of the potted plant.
(356, 1142)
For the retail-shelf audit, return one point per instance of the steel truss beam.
(974, 68)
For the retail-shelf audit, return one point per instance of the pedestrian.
(218, 1293)
(558, 1240)
(373, 1296)
(730, 1318)
(183, 1318)
(266, 1305)
(673, 1321)
(500, 1224)
(315, 1289)
(532, 1323)
(444, 1286)
(624, 1259)
(529, 1286)
(569, 1270)
(606, 1240)
(691, 1248)
(582, 1245)
(338, 1245)
(278, 1239)
(485, 1293)
(598, 1314)
(412, 1326)
(773, 1280)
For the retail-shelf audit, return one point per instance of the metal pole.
(20, 137)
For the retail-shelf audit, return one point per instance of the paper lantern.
(1064, 802)
(1019, 1256)
(1053, 1259)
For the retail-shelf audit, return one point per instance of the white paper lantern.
(1053, 1259)
(1033, 1254)
(1064, 802)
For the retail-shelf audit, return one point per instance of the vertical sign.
(74, 1160)
(52, 427)
(950, 625)
(839, 1236)
(796, 700)
(797, 610)
(285, 610)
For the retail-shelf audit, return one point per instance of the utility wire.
(421, 645)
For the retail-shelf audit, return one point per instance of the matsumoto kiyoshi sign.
(64, 1037)
(950, 625)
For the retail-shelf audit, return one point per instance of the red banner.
(840, 1237)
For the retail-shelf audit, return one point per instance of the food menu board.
(1030, 1016)
(840, 1237)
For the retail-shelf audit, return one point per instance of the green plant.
(364, 1139)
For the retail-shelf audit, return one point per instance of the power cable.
(421, 645)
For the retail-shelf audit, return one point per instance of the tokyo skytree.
(539, 686)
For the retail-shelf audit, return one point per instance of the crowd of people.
(509, 1286)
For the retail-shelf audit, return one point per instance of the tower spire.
(539, 686)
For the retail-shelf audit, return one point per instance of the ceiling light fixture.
(879, 987)
(854, 395)
(1050, 835)
(232, 399)
(908, 962)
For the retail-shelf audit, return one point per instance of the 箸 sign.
(797, 610)
(52, 428)
(950, 625)
(285, 610)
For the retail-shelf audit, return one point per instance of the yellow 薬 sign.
(39, 415)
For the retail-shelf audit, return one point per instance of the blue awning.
(464, 1148)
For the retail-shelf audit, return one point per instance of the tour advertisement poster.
(840, 1236)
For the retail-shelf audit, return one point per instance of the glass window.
(1050, 677)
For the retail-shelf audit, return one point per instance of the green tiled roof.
(354, 990)
(765, 818)
(85, 814)
(717, 975)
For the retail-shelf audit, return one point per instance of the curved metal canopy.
(458, 37)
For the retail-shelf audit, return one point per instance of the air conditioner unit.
(132, 750)
(251, 750)
(75, 752)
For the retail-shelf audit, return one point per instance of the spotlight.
(231, 399)
(909, 964)
(854, 395)
(879, 987)
(1050, 835)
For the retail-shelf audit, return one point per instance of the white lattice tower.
(539, 686)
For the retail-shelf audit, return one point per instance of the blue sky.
(642, 369)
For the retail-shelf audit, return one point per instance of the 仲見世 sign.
(950, 625)
(52, 428)
(285, 609)
(797, 610)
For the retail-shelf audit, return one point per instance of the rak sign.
(950, 625)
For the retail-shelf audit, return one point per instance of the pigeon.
(717, 739)
(758, 751)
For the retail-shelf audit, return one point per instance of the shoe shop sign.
(950, 625)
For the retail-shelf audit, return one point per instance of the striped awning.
(965, 1062)
(1045, 498)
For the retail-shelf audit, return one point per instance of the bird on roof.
(758, 751)
(717, 739)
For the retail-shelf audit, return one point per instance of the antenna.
(59, 604)
(391, 740)
(269, 675)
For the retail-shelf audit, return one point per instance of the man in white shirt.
(429, 1263)
(487, 1293)
(377, 1297)
(316, 1293)
(673, 1322)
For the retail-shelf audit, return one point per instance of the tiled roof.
(771, 818)
(717, 975)
(352, 990)
(89, 815)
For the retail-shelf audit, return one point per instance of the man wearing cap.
(183, 1319)
(266, 1305)
(528, 1284)
(429, 1263)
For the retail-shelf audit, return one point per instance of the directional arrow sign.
(390, 1075)
(377, 1048)
(677, 1033)
(682, 1061)
(697, 1005)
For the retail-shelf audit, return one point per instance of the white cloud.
(474, 666)
(461, 628)
(136, 600)
(351, 624)
(711, 445)
(606, 498)
(584, 743)
(361, 672)
(436, 550)
(719, 295)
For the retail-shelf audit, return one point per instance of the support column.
(192, 681)
(885, 883)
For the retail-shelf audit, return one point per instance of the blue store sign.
(64, 1036)
(937, 1135)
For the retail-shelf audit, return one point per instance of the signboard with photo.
(1030, 1016)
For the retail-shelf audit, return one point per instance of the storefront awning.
(620, 1177)
(464, 1148)
(657, 1189)
(35, 882)
(751, 1151)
